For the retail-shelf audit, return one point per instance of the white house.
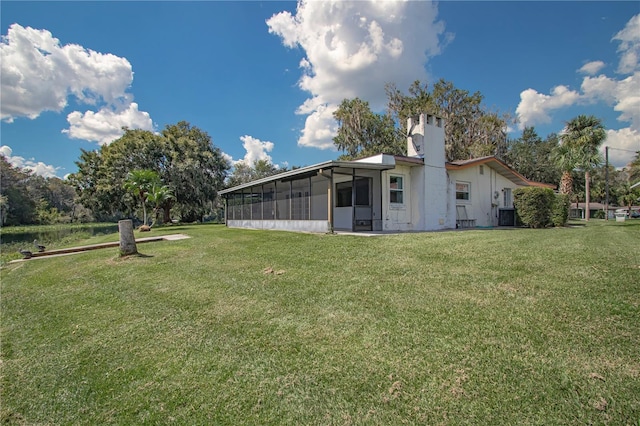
(418, 192)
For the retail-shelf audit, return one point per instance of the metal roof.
(304, 170)
(500, 166)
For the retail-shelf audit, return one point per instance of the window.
(396, 190)
(344, 194)
(506, 197)
(362, 192)
(481, 170)
(463, 191)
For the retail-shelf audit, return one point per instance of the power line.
(621, 149)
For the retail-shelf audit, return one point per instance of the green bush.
(534, 205)
(560, 210)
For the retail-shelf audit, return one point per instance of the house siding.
(483, 205)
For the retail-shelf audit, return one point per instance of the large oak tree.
(183, 156)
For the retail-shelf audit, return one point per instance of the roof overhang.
(499, 166)
(301, 173)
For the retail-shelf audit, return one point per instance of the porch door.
(362, 205)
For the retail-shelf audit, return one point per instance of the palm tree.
(159, 196)
(564, 157)
(584, 135)
(140, 182)
(629, 196)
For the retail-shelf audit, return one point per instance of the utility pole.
(606, 182)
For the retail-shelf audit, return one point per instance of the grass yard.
(256, 327)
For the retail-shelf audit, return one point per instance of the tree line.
(187, 169)
(27, 198)
(472, 131)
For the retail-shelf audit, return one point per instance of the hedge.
(534, 206)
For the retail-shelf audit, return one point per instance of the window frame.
(400, 191)
(468, 192)
(507, 197)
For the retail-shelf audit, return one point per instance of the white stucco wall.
(397, 217)
(483, 204)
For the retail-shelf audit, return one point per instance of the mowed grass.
(257, 327)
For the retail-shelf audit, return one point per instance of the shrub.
(560, 210)
(533, 206)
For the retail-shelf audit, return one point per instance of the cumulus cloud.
(106, 125)
(621, 93)
(37, 167)
(592, 68)
(622, 141)
(628, 100)
(629, 48)
(39, 74)
(228, 158)
(351, 50)
(535, 107)
(256, 150)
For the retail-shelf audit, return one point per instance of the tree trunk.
(127, 239)
(587, 195)
(144, 213)
(566, 183)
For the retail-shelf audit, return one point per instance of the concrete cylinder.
(127, 239)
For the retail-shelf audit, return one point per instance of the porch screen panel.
(229, 209)
(246, 204)
(268, 201)
(236, 205)
(319, 198)
(300, 199)
(282, 200)
(256, 203)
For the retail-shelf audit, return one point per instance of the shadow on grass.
(131, 256)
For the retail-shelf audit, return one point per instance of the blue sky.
(262, 78)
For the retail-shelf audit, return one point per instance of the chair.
(462, 220)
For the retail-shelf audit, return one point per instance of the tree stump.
(127, 240)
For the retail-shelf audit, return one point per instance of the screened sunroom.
(335, 195)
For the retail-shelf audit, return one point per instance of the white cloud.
(256, 150)
(628, 100)
(319, 128)
(534, 107)
(629, 48)
(592, 68)
(622, 94)
(37, 167)
(39, 74)
(599, 88)
(229, 158)
(106, 125)
(621, 143)
(352, 50)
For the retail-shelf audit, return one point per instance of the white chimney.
(426, 141)
(426, 138)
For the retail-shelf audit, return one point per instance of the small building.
(417, 192)
(596, 210)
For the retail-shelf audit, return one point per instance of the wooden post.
(127, 240)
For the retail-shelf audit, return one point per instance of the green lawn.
(475, 327)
